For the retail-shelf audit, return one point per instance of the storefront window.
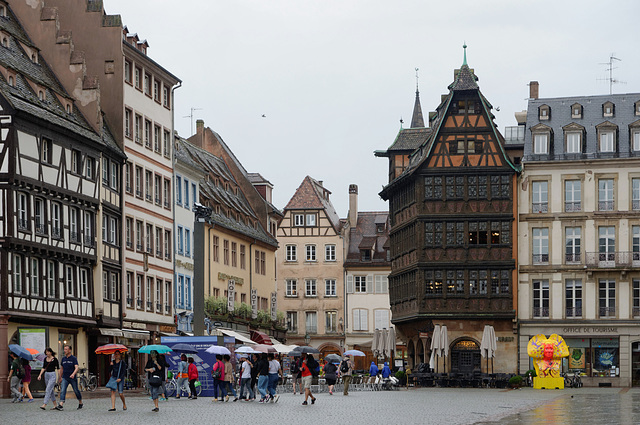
(597, 357)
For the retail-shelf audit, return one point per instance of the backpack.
(216, 373)
(344, 367)
(314, 368)
(20, 373)
(295, 368)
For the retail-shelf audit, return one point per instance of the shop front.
(602, 355)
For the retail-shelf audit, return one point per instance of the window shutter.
(382, 319)
(385, 284)
(364, 320)
(356, 320)
(369, 284)
(350, 285)
(379, 284)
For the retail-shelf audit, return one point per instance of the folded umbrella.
(160, 349)
(20, 352)
(218, 350)
(184, 348)
(111, 348)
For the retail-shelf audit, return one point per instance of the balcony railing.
(158, 253)
(158, 307)
(139, 247)
(75, 237)
(167, 255)
(572, 258)
(540, 258)
(55, 233)
(573, 312)
(572, 206)
(138, 303)
(41, 229)
(540, 312)
(167, 308)
(129, 301)
(23, 224)
(166, 204)
(149, 249)
(635, 204)
(128, 188)
(158, 201)
(607, 311)
(149, 305)
(138, 193)
(312, 329)
(613, 259)
(149, 198)
(605, 205)
(129, 245)
(540, 207)
(89, 241)
(636, 311)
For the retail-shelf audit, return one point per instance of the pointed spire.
(464, 46)
(417, 120)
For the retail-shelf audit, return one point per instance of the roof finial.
(464, 46)
(417, 69)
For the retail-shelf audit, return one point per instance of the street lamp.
(307, 339)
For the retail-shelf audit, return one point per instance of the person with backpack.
(346, 370)
(16, 373)
(307, 376)
(155, 369)
(217, 373)
(330, 375)
(295, 374)
(69, 376)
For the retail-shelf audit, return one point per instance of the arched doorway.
(411, 352)
(635, 364)
(419, 352)
(465, 356)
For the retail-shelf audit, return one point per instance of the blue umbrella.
(357, 353)
(184, 348)
(20, 351)
(161, 349)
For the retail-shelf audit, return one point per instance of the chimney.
(199, 126)
(534, 90)
(353, 205)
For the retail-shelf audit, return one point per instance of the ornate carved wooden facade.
(452, 215)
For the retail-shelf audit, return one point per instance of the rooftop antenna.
(191, 116)
(610, 69)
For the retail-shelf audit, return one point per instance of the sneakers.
(313, 400)
(304, 403)
(330, 392)
(30, 400)
(58, 407)
(262, 400)
(226, 399)
(80, 406)
(235, 399)
(155, 410)
(276, 398)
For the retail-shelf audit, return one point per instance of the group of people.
(19, 374)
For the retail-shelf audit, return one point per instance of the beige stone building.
(579, 226)
(310, 269)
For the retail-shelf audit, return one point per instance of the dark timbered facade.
(452, 213)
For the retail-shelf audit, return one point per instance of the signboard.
(35, 338)
(577, 359)
(274, 306)
(254, 303)
(231, 292)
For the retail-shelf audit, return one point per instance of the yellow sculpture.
(547, 354)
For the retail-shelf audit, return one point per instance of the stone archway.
(411, 352)
(465, 356)
(420, 352)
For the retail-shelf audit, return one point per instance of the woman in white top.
(245, 380)
(274, 375)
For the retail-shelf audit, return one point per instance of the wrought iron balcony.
(158, 201)
(573, 206)
(158, 253)
(139, 247)
(139, 303)
(23, 224)
(540, 258)
(149, 305)
(41, 228)
(613, 259)
(540, 312)
(540, 207)
(75, 237)
(167, 255)
(158, 307)
(167, 308)
(312, 329)
(605, 205)
(572, 258)
(636, 311)
(635, 204)
(607, 311)
(129, 301)
(55, 233)
(138, 193)
(128, 188)
(129, 245)
(148, 197)
(166, 204)
(89, 241)
(573, 312)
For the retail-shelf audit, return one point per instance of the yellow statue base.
(548, 383)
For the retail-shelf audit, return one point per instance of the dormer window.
(541, 137)
(3, 11)
(68, 108)
(573, 134)
(41, 95)
(5, 42)
(607, 137)
(608, 109)
(11, 81)
(576, 110)
(637, 108)
(365, 254)
(544, 112)
(634, 130)
(34, 58)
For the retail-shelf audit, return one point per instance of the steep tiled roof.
(408, 139)
(365, 235)
(592, 115)
(417, 120)
(218, 195)
(465, 80)
(257, 178)
(312, 195)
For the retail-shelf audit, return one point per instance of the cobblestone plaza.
(415, 406)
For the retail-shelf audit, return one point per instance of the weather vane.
(417, 69)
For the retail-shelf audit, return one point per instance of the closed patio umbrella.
(488, 345)
(444, 344)
(375, 343)
(391, 342)
(435, 347)
(382, 342)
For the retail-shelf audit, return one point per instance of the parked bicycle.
(85, 382)
(572, 381)
(172, 387)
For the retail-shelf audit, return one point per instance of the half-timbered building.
(452, 212)
(50, 183)
(310, 269)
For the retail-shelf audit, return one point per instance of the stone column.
(4, 356)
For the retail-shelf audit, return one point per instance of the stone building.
(579, 220)
(452, 208)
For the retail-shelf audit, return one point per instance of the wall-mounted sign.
(224, 276)
(274, 306)
(254, 303)
(231, 292)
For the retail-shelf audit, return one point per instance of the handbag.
(113, 381)
(155, 381)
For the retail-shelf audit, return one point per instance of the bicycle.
(87, 382)
(172, 386)
(572, 381)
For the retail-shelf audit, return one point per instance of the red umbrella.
(111, 348)
(263, 348)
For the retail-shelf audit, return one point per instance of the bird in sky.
(264, 116)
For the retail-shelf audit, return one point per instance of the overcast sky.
(334, 77)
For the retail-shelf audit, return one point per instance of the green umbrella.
(160, 349)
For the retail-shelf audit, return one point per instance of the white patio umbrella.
(375, 342)
(444, 344)
(382, 342)
(391, 342)
(435, 346)
(488, 345)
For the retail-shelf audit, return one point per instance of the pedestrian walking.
(118, 371)
(15, 375)
(163, 394)
(26, 380)
(217, 373)
(68, 376)
(183, 375)
(263, 377)
(330, 375)
(192, 375)
(245, 380)
(229, 378)
(275, 373)
(155, 369)
(373, 370)
(254, 375)
(346, 370)
(386, 371)
(295, 374)
(307, 366)
(49, 366)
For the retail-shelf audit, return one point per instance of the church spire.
(464, 46)
(416, 119)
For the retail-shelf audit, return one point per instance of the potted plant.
(402, 377)
(515, 381)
